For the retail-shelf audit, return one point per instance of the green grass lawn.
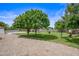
(53, 37)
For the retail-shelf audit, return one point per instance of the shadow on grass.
(39, 37)
(72, 40)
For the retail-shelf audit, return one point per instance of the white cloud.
(7, 16)
(55, 17)
(11, 16)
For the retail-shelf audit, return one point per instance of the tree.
(32, 19)
(71, 17)
(73, 13)
(60, 26)
(49, 29)
(40, 20)
(4, 25)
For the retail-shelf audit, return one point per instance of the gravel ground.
(14, 46)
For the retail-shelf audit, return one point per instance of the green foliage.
(70, 8)
(4, 25)
(31, 19)
(53, 37)
(44, 37)
(73, 22)
(72, 16)
(59, 25)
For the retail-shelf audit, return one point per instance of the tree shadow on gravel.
(0, 38)
(39, 37)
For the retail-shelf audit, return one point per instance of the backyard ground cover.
(13, 45)
(54, 37)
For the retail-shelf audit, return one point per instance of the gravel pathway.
(14, 46)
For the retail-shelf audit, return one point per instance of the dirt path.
(14, 46)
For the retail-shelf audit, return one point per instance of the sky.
(9, 11)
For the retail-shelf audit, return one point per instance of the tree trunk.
(28, 30)
(61, 34)
(70, 34)
(35, 31)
